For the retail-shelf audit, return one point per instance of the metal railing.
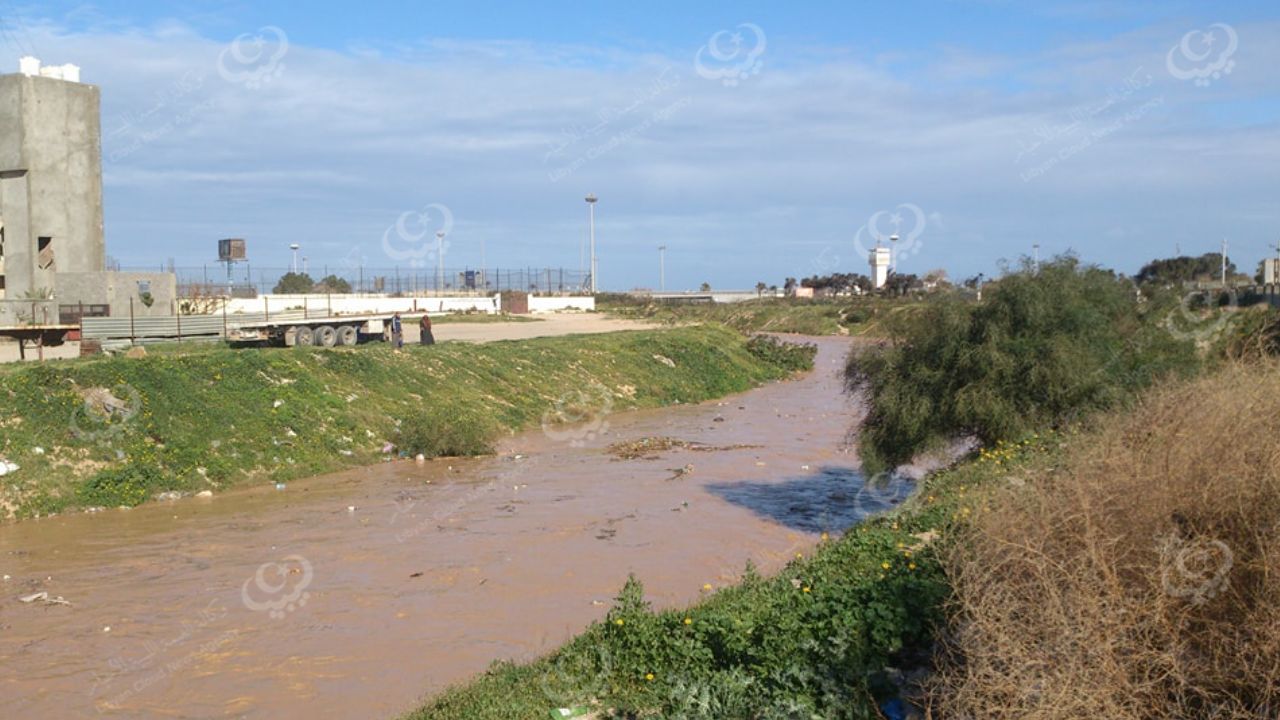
(248, 280)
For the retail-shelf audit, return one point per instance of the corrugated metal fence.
(113, 333)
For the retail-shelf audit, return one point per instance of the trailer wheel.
(303, 335)
(326, 336)
(347, 335)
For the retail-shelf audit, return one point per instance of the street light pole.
(662, 260)
(440, 258)
(1224, 262)
(591, 203)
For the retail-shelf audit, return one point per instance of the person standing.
(425, 328)
(397, 332)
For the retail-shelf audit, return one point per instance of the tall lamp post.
(440, 259)
(662, 265)
(591, 203)
(294, 248)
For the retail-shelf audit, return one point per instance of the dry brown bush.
(1138, 579)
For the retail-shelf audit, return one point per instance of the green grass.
(482, 318)
(212, 418)
(801, 316)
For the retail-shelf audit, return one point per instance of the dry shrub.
(1139, 578)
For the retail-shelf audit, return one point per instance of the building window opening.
(44, 258)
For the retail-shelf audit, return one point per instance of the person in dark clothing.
(425, 328)
(397, 332)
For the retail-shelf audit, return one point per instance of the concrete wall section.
(561, 304)
(19, 261)
(119, 289)
(65, 173)
(319, 305)
(22, 312)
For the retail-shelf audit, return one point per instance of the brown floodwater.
(356, 594)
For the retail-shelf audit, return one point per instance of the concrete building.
(880, 258)
(52, 250)
(50, 178)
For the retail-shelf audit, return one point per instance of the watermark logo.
(1193, 58)
(105, 412)
(879, 493)
(1195, 569)
(906, 222)
(728, 60)
(278, 587)
(419, 236)
(579, 416)
(1197, 319)
(584, 674)
(254, 59)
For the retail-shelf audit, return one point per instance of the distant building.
(1270, 271)
(880, 258)
(51, 235)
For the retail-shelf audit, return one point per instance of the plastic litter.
(893, 709)
(44, 597)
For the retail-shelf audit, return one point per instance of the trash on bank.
(44, 597)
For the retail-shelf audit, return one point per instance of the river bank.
(105, 432)
(403, 578)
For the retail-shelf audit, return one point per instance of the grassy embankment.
(802, 316)
(454, 318)
(1104, 556)
(117, 431)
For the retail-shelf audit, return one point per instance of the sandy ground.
(545, 326)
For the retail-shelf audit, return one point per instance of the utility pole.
(662, 260)
(591, 203)
(1224, 262)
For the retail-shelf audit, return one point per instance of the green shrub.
(789, 356)
(446, 431)
(130, 485)
(1043, 348)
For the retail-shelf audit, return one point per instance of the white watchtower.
(880, 258)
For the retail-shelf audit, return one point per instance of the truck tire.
(303, 335)
(347, 335)
(325, 336)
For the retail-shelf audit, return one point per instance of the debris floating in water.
(644, 448)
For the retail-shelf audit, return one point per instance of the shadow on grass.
(830, 499)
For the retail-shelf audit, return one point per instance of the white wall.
(320, 305)
(560, 304)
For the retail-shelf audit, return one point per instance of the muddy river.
(353, 595)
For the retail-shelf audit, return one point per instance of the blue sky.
(971, 129)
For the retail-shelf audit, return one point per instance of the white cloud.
(740, 182)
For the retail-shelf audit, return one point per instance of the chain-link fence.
(246, 280)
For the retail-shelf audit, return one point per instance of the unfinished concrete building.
(52, 250)
(50, 179)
